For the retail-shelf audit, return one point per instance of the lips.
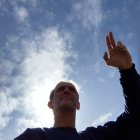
(66, 98)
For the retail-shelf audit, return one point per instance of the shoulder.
(108, 131)
(32, 133)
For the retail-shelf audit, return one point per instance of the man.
(64, 100)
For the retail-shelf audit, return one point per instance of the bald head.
(61, 86)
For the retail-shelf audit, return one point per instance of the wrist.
(126, 67)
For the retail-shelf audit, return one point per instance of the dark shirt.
(126, 127)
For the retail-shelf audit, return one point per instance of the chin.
(67, 107)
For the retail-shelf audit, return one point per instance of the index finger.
(112, 40)
(108, 43)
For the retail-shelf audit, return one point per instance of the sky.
(43, 42)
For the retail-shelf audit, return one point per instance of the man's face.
(65, 97)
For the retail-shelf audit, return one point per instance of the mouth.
(66, 98)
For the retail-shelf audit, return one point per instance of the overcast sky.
(43, 42)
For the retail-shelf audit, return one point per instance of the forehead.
(64, 84)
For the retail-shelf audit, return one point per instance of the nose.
(66, 90)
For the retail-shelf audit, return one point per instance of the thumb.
(106, 58)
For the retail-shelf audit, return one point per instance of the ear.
(50, 104)
(78, 106)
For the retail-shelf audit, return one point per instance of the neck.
(64, 119)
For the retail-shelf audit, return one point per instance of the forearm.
(130, 81)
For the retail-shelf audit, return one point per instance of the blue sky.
(45, 41)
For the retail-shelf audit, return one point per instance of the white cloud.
(32, 68)
(32, 3)
(97, 67)
(4, 121)
(111, 73)
(42, 69)
(108, 71)
(123, 37)
(24, 123)
(102, 119)
(88, 12)
(1, 136)
(76, 85)
(7, 106)
(21, 14)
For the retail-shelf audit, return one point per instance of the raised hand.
(118, 55)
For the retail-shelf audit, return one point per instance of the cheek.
(76, 99)
(56, 100)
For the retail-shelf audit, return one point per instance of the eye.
(72, 89)
(60, 89)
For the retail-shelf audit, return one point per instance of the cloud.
(21, 14)
(102, 119)
(76, 85)
(33, 3)
(30, 68)
(3, 121)
(7, 106)
(1, 136)
(30, 3)
(43, 68)
(108, 71)
(97, 67)
(88, 12)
